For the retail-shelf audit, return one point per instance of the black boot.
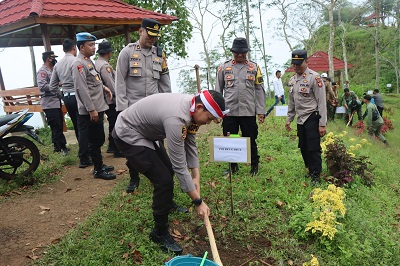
(254, 169)
(179, 208)
(234, 168)
(103, 174)
(161, 236)
(135, 179)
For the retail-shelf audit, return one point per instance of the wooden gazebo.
(48, 22)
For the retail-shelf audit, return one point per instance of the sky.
(16, 65)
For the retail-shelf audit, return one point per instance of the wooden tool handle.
(211, 238)
(196, 67)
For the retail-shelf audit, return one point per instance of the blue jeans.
(282, 100)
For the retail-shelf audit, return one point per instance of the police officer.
(107, 75)
(62, 75)
(142, 70)
(51, 103)
(241, 82)
(90, 92)
(177, 117)
(330, 96)
(307, 100)
(352, 104)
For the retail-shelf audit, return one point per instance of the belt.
(69, 93)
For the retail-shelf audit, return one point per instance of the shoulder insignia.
(304, 75)
(233, 62)
(80, 68)
(108, 69)
(193, 128)
(184, 132)
(43, 74)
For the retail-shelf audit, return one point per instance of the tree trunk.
(346, 74)
(263, 46)
(377, 47)
(331, 38)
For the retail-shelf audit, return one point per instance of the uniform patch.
(80, 68)
(135, 71)
(319, 81)
(108, 69)
(305, 81)
(97, 77)
(250, 77)
(233, 62)
(86, 58)
(304, 75)
(228, 76)
(135, 55)
(193, 128)
(250, 69)
(157, 59)
(43, 74)
(135, 63)
(320, 84)
(89, 65)
(219, 68)
(228, 68)
(184, 132)
(303, 89)
(251, 65)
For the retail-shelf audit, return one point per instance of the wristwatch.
(197, 202)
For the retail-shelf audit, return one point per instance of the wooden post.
(127, 36)
(1, 81)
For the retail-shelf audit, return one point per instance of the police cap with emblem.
(240, 45)
(298, 56)
(152, 27)
(85, 36)
(48, 54)
(105, 47)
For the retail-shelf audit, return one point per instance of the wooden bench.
(19, 99)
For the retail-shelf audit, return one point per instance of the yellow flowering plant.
(343, 164)
(313, 262)
(327, 205)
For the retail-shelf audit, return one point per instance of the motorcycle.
(18, 155)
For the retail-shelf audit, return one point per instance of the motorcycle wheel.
(18, 156)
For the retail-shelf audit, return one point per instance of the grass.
(270, 211)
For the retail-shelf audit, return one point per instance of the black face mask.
(53, 61)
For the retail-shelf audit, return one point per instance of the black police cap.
(48, 54)
(298, 56)
(105, 47)
(240, 45)
(152, 27)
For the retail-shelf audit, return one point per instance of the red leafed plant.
(387, 125)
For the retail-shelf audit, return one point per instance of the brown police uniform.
(307, 100)
(137, 132)
(140, 73)
(107, 75)
(243, 88)
(90, 97)
(62, 73)
(51, 105)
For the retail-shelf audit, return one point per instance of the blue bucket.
(189, 260)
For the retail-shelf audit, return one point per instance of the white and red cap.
(209, 103)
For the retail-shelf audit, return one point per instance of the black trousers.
(310, 143)
(249, 128)
(380, 110)
(72, 109)
(112, 118)
(55, 121)
(157, 167)
(91, 138)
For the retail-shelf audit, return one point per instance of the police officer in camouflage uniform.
(307, 100)
(174, 117)
(107, 75)
(51, 103)
(142, 70)
(90, 93)
(62, 76)
(241, 82)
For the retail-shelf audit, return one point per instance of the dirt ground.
(32, 220)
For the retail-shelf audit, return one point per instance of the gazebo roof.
(21, 21)
(319, 61)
